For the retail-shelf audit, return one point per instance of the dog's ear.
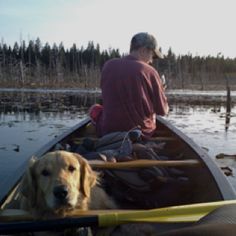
(88, 177)
(28, 183)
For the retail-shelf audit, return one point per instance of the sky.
(197, 27)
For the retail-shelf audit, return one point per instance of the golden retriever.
(61, 181)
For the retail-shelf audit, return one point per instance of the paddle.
(175, 214)
(142, 163)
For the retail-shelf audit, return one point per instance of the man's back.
(132, 94)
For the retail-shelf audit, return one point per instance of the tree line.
(33, 64)
(200, 72)
(40, 65)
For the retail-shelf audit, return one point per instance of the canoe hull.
(208, 183)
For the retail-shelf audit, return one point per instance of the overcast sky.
(199, 27)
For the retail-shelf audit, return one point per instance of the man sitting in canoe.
(132, 91)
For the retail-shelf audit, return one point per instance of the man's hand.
(163, 80)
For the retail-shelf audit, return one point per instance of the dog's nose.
(60, 192)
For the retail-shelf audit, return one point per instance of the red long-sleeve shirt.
(132, 94)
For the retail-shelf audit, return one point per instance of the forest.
(38, 65)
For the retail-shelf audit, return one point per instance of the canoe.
(207, 184)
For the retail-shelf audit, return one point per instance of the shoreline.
(53, 99)
(216, 92)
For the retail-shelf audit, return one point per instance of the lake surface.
(23, 129)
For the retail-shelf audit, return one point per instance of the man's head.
(146, 41)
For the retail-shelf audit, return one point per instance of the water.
(206, 125)
(212, 93)
(24, 131)
(21, 134)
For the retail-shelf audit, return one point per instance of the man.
(132, 91)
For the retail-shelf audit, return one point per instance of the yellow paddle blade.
(175, 214)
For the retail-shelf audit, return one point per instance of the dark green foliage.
(46, 65)
(195, 72)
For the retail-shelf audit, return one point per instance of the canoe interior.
(208, 183)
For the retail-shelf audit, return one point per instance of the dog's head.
(58, 182)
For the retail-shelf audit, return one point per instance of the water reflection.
(32, 102)
(206, 125)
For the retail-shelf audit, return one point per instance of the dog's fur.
(59, 182)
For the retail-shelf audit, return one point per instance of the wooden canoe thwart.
(143, 163)
(178, 175)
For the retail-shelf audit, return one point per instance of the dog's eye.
(45, 172)
(71, 168)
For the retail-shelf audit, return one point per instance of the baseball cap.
(147, 40)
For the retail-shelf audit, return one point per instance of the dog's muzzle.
(60, 193)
